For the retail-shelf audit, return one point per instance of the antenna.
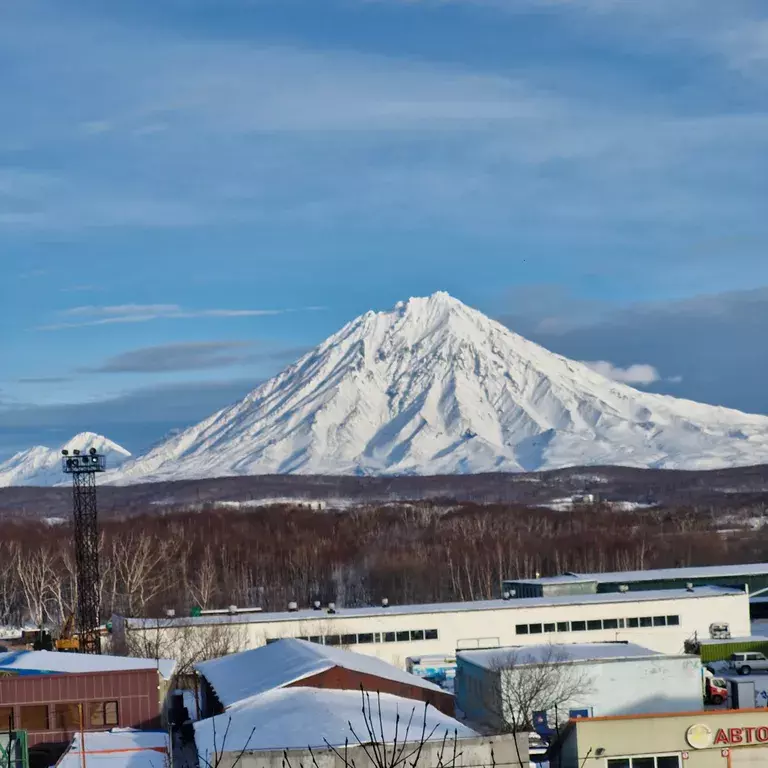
(85, 515)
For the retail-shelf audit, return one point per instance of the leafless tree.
(37, 574)
(524, 683)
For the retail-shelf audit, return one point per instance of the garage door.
(749, 757)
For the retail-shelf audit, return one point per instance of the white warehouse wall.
(461, 626)
(611, 687)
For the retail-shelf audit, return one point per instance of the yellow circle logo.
(699, 736)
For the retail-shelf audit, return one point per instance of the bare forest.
(408, 553)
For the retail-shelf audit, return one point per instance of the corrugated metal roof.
(249, 673)
(42, 662)
(692, 572)
(566, 653)
(427, 608)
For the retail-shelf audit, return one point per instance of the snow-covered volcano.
(42, 466)
(433, 386)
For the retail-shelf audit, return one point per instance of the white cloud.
(641, 374)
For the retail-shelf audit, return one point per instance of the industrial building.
(52, 696)
(294, 663)
(272, 705)
(660, 620)
(712, 739)
(597, 678)
(752, 578)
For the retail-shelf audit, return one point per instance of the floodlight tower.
(83, 470)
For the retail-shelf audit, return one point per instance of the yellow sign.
(699, 736)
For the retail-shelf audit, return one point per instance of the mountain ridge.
(435, 387)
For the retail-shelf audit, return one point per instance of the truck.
(715, 690)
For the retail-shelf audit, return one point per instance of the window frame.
(655, 757)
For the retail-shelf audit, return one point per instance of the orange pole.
(82, 735)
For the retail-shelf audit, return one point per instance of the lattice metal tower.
(83, 470)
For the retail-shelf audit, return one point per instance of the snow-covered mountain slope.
(42, 466)
(433, 386)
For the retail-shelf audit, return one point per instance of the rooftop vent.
(316, 605)
(385, 602)
(689, 586)
(623, 588)
(506, 595)
(331, 607)
(293, 606)
(170, 613)
(232, 609)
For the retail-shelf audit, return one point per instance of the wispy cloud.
(143, 313)
(45, 380)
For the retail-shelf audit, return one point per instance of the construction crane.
(83, 470)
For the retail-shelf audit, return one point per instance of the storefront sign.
(701, 736)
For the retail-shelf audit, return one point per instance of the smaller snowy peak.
(41, 466)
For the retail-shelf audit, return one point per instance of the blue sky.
(193, 191)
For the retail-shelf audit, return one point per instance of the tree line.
(408, 553)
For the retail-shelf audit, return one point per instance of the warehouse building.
(52, 695)
(696, 739)
(294, 663)
(752, 578)
(659, 620)
(590, 679)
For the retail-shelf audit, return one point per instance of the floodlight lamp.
(76, 452)
(65, 452)
(92, 451)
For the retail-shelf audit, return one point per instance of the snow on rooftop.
(428, 608)
(72, 663)
(119, 748)
(570, 652)
(692, 572)
(249, 673)
(297, 718)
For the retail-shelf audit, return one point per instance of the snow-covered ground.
(433, 386)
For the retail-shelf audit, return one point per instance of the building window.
(646, 621)
(66, 717)
(673, 621)
(365, 638)
(404, 636)
(549, 627)
(315, 639)
(621, 623)
(633, 623)
(6, 719)
(102, 713)
(417, 634)
(430, 634)
(578, 626)
(594, 624)
(348, 639)
(610, 623)
(644, 761)
(535, 629)
(389, 637)
(521, 629)
(562, 626)
(659, 621)
(333, 639)
(377, 637)
(34, 718)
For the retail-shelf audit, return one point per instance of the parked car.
(749, 661)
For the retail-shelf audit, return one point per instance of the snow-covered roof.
(70, 663)
(427, 608)
(119, 748)
(570, 652)
(693, 572)
(297, 718)
(249, 673)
